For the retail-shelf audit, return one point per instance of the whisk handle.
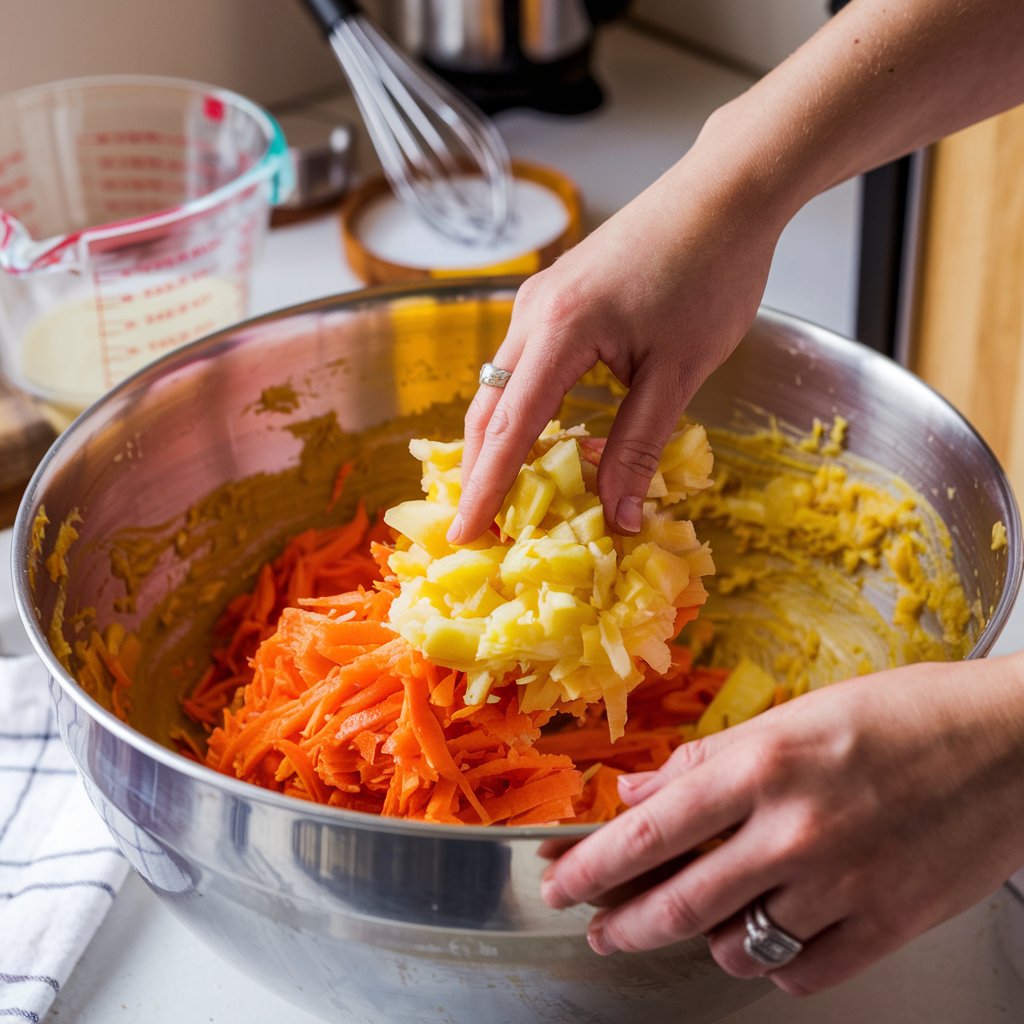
(328, 13)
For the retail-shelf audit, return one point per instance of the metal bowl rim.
(462, 288)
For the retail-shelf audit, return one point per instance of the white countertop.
(143, 965)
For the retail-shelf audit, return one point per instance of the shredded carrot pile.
(316, 563)
(310, 693)
(342, 711)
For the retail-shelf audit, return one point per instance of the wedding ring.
(494, 376)
(766, 943)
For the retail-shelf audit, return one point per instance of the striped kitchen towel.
(59, 868)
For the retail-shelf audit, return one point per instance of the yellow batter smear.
(827, 569)
(57, 567)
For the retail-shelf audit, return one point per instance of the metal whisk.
(443, 157)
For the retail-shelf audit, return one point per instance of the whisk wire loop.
(442, 157)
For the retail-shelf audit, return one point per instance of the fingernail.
(627, 783)
(628, 514)
(455, 530)
(631, 791)
(598, 939)
(551, 893)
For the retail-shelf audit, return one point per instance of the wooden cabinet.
(968, 340)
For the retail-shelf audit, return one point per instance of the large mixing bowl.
(359, 918)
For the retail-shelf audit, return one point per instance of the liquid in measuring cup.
(74, 352)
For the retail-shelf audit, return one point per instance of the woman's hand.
(863, 814)
(661, 293)
(665, 289)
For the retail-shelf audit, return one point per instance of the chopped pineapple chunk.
(747, 692)
(464, 571)
(526, 504)
(561, 463)
(423, 522)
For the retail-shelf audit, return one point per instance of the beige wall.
(266, 49)
(756, 33)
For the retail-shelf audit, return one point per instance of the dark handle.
(327, 13)
(605, 10)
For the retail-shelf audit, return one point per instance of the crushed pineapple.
(549, 598)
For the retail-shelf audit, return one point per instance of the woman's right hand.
(661, 293)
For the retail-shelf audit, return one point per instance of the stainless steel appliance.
(507, 53)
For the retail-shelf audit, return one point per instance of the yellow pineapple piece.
(657, 488)
(526, 504)
(482, 603)
(465, 570)
(686, 463)
(561, 531)
(564, 563)
(665, 572)
(700, 561)
(563, 615)
(414, 561)
(423, 522)
(452, 642)
(478, 686)
(561, 463)
(632, 590)
(439, 455)
(589, 525)
(746, 692)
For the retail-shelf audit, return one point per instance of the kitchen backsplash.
(755, 33)
(269, 50)
(265, 49)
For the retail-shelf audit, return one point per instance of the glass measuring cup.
(131, 210)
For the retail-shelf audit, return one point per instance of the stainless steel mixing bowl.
(358, 918)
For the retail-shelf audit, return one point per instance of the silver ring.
(494, 376)
(766, 943)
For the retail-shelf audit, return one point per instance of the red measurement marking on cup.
(171, 260)
(177, 310)
(12, 188)
(137, 183)
(174, 284)
(213, 108)
(12, 159)
(132, 138)
(141, 162)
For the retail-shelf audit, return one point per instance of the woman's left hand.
(861, 814)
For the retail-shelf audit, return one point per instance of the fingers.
(692, 901)
(834, 953)
(638, 786)
(502, 424)
(485, 401)
(795, 908)
(645, 419)
(552, 849)
(515, 421)
(683, 814)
